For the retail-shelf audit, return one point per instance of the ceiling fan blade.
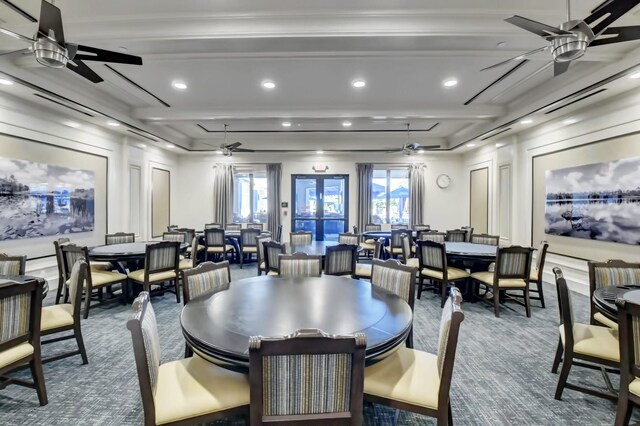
(16, 35)
(88, 53)
(609, 12)
(234, 145)
(16, 51)
(538, 28)
(51, 21)
(81, 68)
(243, 150)
(619, 34)
(560, 67)
(430, 147)
(517, 58)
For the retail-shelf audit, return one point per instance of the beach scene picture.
(598, 201)
(38, 199)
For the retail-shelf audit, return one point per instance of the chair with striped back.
(272, 252)
(491, 240)
(421, 227)
(300, 238)
(469, 231)
(247, 242)
(96, 281)
(120, 238)
(363, 270)
(417, 381)
(65, 317)
(180, 237)
(435, 236)
(456, 236)
(399, 279)
(260, 240)
(629, 394)
(279, 233)
(537, 273)
(161, 263)
(369, 244)
(190, 262)
(512, 271)
(57, 247)
(432, 261)
(215, 243)
(12, 265)
(300, 265)
(395, 243)
(341, 260)
(190, 234)
(212, 226)
(259, 226)
(233, 227)
(407, 251)
(20, 310)
(308, 377)
(611, 272)
(347, 238)
(186, 391)
(372, 227)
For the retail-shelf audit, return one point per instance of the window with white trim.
(390, 196)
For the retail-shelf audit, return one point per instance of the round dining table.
(119, 254)
(604, 298)
(218, 326)
(315, 248)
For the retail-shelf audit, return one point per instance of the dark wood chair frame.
(260, 239)
(395, 241)
(443, 413)
(171, 228)
(147, 284)
(570, 358)
(452, 232)
(611, 263)
(276, 246)
(444, 283)
(308, 341)
(279, 233)
(629, 370)
(242, 245)
(540, 259)
(130, 235)
(61, 271)
(301, 256)
(208, 231)
(32, 336)
(334, 251)
(406, 243)
(300, 233)
(148, 404)
(21, 259)
(469, 231)
(495, 238)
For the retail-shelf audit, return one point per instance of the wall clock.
(443, 181)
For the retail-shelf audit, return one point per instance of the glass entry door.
(320, 205)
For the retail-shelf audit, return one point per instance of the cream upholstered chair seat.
(262, 266)
(185, 264)
(250, 249)
(533, 276)
(395, 250)
(413, 262)
(15, 353)
(101, 266)
(363, 269)
(56, 316)
(227, 247)
(102, 278)
(158, 276)
(200, 248)
(407, 375)
(368, 244)
(193, 387)
(634, 387)
(452, 273)
(596, 341)
(272, 273)
(598, 316)
(487, 278)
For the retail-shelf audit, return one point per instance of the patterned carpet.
(502, 373)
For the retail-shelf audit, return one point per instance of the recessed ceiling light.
(526, 121)
(499, 145)
(421, 151)
(346, 123)
(635, 75)
(286, 124)
(450, 82)
(569, 121)
(6, 82)
(180, 85)
(268, 84)
(319, 152)
(379, 117)
(501, 44)
(170, 145)
(218, 152)
(358, 83)
(141, 145)
(113, 123)
(471, 145)
(71, 124)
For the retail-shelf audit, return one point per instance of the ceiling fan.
(411, 148)
(229, 149)
(51, 50)
(571, 39)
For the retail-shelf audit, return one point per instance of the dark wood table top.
(124, 251)
(471, 249)
(382, 234)
(316, 248)
(218, 326)
(233, 234)
(10, 279)
(605, 298)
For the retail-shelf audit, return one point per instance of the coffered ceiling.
(312, 51)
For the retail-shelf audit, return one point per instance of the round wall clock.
(443, 181)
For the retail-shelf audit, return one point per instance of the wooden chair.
(407, 251)
(171, 228)
(629, 394)
(12, 265)
(584, 345)
(435, 236)
(190, 234)
(300, 265)
(611, 272)
(260, 240)
(161, 261)
(341, 260)
(119, 238)
(215, 243)
(259, 226)
(61, 271)
(61, 318)
(347, 238)
(192, 261)
(418, 381)
(395, 243)
(537, 273)
(469, 231)
(248, 243)
(368, 244)
(491, 240)
(180, 237)
(96, 280)
(212, 226)
(313, 379)
(272, 252)
(20, 310)
(512, 270)
(372, 227)
(432, 261)
(279, 233)
(400, 226)
(456, 236)
(363, 270)
(187, 391)
(300, 238)
(233, 227)
(421, 227)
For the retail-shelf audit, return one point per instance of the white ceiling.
(312, 50)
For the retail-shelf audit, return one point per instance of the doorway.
(320, 205)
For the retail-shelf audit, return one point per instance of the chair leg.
(496, 303)
(527, 302)
(558, 358)
(540, 292)
(87, 302)
(623, 411)
(450, 415)
(188, 352)
(443, 293)
(38, 378)
(177, 287)
(78, 335)
(564, 374)
(420, 284)
(59, 290)
(410, 339)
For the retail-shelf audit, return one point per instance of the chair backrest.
(377, 250)
(233, 226)
(309, 377)
(300, 238)
(347, 238)
(146, 350)
(372, 227)
(395, 277)
(432, 255)
(300, 265)
(540, 258)
(491, 240)
(78, 276)
(355, 229)
(194, 252)
(20, 306)
(279, 233)
(190, 233)
(438, 237)
(57, 246)
(421, 227)
(565, 306)
(248, 237)
(208, 277)
(628, 332)
(450, 320)
(341, 259)
(469, 231)
(180, 237)
(456, 236)
(214, 237)
(12, 265)
(71, 253)
(405, 243)
(513, 262)
(260, 247)
(172, 228)
(399, 226)
(212, 225)
(259, 226)
(272, 251)
(611, 272)
(396, 235)
(120, 238)
(161, 257)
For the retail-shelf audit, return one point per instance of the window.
(250, 197)
(390, 196)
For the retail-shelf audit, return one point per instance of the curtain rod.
(248, 164)
(394, 164)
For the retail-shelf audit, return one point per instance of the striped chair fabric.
(259, 226)
(349, 239)
(259, 243)
(438, 237)
(15, 314)
(273, 250)
(190, 233)
(248, 237)
(11, 266)
(443, 335)
(513, 264)
(340, 260)
(399, 227)
(162, 258)
(215, 237)
(396, 236)
(208, 282)
(175, 236)
(74, 284)
(295, 266)
(213, 226)
(392, 279)
(151, 341)
(233, 226)
(492, 240)
(119, 238)
(456, 236)
(372, 227)
(406, 246)
(70, 258)
(606, 276)
(300, 238)
(421, 227)
(432, 256)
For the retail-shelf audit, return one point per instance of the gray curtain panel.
(416, 194)
(274, 179)
(222, 194)
(365, 174)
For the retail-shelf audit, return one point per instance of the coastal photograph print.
(598, 201)
(38, 199)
